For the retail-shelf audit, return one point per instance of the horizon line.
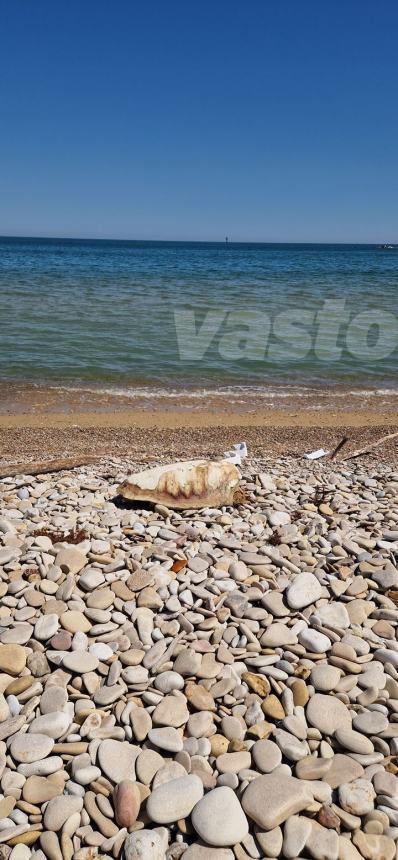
(225, 241)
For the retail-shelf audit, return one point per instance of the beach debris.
(368, 448)
(188, 484)
(43, 467)
(237, 454)
(315, 455)
(338, 447)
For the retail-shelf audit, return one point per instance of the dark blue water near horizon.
(191, 314)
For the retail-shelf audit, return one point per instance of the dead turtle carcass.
(189, 484)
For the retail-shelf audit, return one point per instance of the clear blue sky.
(270, 120)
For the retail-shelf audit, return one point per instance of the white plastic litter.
(315, 455)
(237, 454)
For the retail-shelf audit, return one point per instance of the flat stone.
(107, 695)
(219, 819)
(327, 713)
(304, 590)
(332, 615)
(174, 800)
(258, 683)
(204, 852)
(370, 722)
(295, 834)
(266, 755)
(75, 621)
(272, 798)
(19, 635)
(117, 759)
(39, 789)
(278, 635)
(91, 578)
(167, 773)
(233, 762)
(313, 768)
(386, 783)
(166, 739)
(354, 741)
(200, 698)
(28, 748)
(292, 748)
(59, 809)
(12, 659)
(141, 723)
(322, 843)
(147, 765)
(70, 560)
(374, 847)
(80, 662)
(55, 724)
(171, 711)
(342, 769)
(314, 641)
(53, 699)
(325, 677)
(46, 626)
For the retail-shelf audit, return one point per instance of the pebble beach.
(214, 683)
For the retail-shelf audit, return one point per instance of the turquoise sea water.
(126, 314)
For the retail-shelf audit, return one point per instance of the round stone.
(218, 818)
(12, 659)
(171, 711)
(327, 713)
(314, 641)
(28, 748)
(304, 590)
(233, 762)
(59, 809)
(333, 615)
(39, 789)
(144, 845)
(46, 626)
(75, 621)
(324, 677)
(370, 722)
(174, 800)
(357, 797)
(53, 699)
(117, 759)
(266, 755)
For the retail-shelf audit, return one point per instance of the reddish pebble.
(61, 641)
(127, 802)
(328, 818)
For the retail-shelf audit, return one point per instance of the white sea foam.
(234, 392)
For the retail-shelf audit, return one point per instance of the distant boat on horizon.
(387, 247)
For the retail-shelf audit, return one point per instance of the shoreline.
(43, 423)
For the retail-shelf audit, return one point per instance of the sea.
(173, 319)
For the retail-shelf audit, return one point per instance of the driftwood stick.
(369, 447)
(338, 447)
(42, 467)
